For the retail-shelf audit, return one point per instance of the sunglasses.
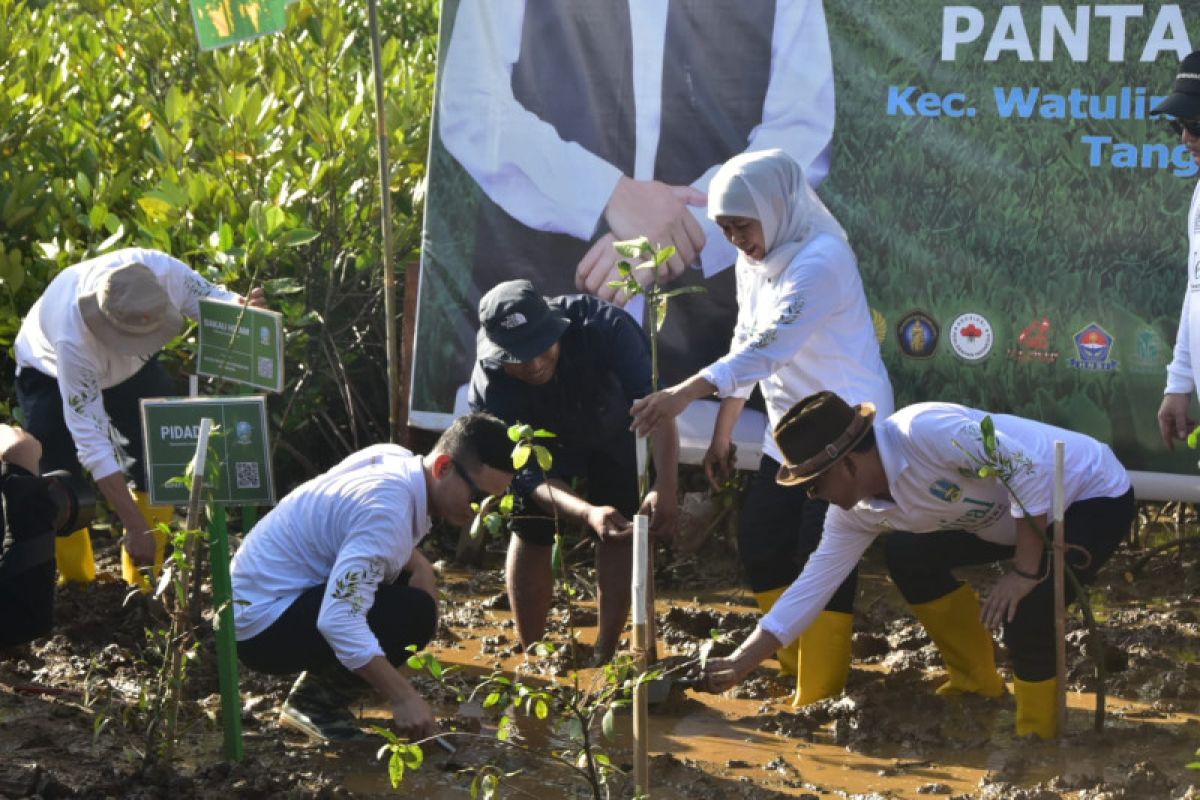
(477, 495)
(1192, 126)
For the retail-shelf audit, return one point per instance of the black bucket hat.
(1184, 100)
(516, 323)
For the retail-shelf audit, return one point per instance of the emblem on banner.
(971, 337)
(1149, 352)
(1093, 345)
(880, 323)
(1033, 343)
(918, 334)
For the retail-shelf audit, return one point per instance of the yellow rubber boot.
(786, 654)
(73, 552)
(154, 515)
(824, 650)
(965, 644)
(1036, 707)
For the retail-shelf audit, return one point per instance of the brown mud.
(72, 707)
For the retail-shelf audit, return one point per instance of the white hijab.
(769, 186)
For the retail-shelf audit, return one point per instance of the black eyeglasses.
(1192, 126)
(477, 495)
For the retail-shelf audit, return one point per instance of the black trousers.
(401, 617)
(42, 403)
(26, 558)
(779, 528)
(608, 480)
(921, 564)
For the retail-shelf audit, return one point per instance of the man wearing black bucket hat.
(86, 355)
(1183, 105)
(918, 473)
(572, 365)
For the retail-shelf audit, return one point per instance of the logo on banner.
(1093, 345)
(244, 431)
(918, 334)
(971, 337)
(946, 491)
(1150, 352)
(1033, 343)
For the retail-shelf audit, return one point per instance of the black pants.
(400, 618)
(921, 564)
(607, 480)
(26, 558)
(42, 403)
(779, 528)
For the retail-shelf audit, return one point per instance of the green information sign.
(241, 344)
(225, 22)
(240, 447)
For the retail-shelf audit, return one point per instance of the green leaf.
(296, 237)
(988, 428)
(1193, 439)
(493, 522)
(491, 700)
(682, 290)
(542, 433)
(514, 433)
(661, 256)
(506, 503)
(660, 314)
(541, 709)
(415, 662)
(607, 725)
(556, 559)
(520, 455)
(631, 248)
(544, 459)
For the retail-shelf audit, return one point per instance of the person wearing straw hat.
(1183, 105)
(572, 365)
(803, 325)
(917, 476)
(86, 354)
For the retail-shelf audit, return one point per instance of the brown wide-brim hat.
(130, 313)
(816, 433)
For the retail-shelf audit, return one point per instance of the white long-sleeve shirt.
(352, 528)
(1181, 372)
(935, 486)
(806, 330)
(55, 341)
(550, 184)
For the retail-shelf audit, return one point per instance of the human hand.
(1173, 420)
(720, 461)
(663, 509)
(412, 717)
(722, 674)
(659, 212)
(656, 409)
(256, 298)
(140, 546)
(608, 524)
(1000, 606)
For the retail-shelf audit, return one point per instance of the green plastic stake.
(227, 666)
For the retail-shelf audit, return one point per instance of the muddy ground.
(73, 711)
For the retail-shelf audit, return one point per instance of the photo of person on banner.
(585, 123)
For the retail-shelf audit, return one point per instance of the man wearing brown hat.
(572, 365)
(918, 473)
(86, 355)
(1183, 105)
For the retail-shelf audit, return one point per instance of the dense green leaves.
(255, 164)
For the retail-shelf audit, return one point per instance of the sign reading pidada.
(239, 446)
(225, 22)
(242, 344)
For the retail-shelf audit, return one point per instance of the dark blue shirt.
(603, 366)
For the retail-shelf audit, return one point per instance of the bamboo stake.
(641, 709)
(1060, 607)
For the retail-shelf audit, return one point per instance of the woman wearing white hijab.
(803, 326)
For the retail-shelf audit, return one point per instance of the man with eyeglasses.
(1183, 104)
(572, 365)
(331, 581)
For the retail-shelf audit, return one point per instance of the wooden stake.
(1060, 607)
(641, 642)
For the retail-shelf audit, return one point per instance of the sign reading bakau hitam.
(241, 344)
(238, 448)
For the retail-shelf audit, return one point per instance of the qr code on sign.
(266, 367)
(247, 474)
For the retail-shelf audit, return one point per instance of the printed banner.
(220, 23)
(1018, 216)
